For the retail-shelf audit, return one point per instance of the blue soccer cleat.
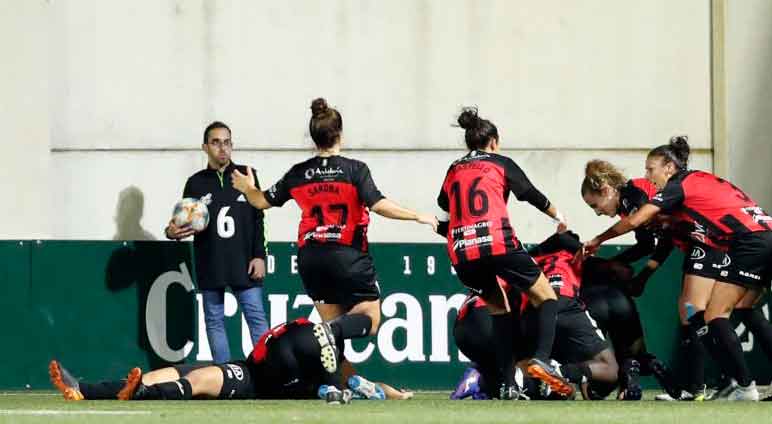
(366, 388)
(469, 385)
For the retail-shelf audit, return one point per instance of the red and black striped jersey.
(555, 257)
(715, 209)
(475, 193)
(261, 347)
(334, 194)
(517, 300)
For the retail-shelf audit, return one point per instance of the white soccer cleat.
(328, 349)
(740, 393)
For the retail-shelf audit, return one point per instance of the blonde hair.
(599, 172)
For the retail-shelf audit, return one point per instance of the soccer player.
(608, 192)
(482, 244)
(722, 214)
(289, 361)
(579, 345)
(335, 194)
(230, 252)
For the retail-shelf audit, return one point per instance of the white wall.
(749, 97)
(25, 175)
(130, 85)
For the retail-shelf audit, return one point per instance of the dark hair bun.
(469, 118)
(319, 107)
(679, 144)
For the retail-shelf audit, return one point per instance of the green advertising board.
(104, 307)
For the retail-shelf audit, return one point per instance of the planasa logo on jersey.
(322, 172)
(464, 243)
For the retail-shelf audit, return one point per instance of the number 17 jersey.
(334, 194)
(475, 194)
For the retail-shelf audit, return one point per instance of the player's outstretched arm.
(389, 209)
(624, 226)
(246, 185)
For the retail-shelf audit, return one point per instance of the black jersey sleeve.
(260, 248)
(644, 246)
(663, 249)
(279, 193)
(670, 197)
(366, 187)
(519, 184)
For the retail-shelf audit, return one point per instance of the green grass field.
(46, 407)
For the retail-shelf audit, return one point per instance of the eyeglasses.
(224, 144)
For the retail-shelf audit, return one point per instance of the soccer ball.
(191, 212)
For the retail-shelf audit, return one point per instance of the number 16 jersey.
(475, 194)
(334, 194)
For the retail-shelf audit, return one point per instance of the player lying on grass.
(290, 361)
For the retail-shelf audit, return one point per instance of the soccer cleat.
(747, 393)
(722, 393)
(468, 385)
(630, 384)
(133, 381)
(64, 382)
(664, 377)
(366, 388)
(329, 350)
(548, 374)
(338, 397)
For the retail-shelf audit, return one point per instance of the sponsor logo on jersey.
(556, 281)
(658, 197)
(699, 232)
(464, 243)
(725, 263)
(322, 172)
(724, 273)
(698, 266)
(469, 230)
(241, 198)
(750, 275)
(237, 371)
(207, 200)
(697, 253)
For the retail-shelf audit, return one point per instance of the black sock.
(101, 390)
(351, 326)
(172, 390)
(576, 373)
(693, 353)
(546, 319)
(759, 326)
(651, 366)
(502, 329)
(728, 346)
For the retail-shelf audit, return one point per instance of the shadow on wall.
(128, 214)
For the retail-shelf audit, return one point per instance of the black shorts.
(750, 257)
(517, 268)
(577, 337)
(338, 275)
(238, 382)
(616, 314)
(705, 261)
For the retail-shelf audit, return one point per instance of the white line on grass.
(28, 394)
(55, 412)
